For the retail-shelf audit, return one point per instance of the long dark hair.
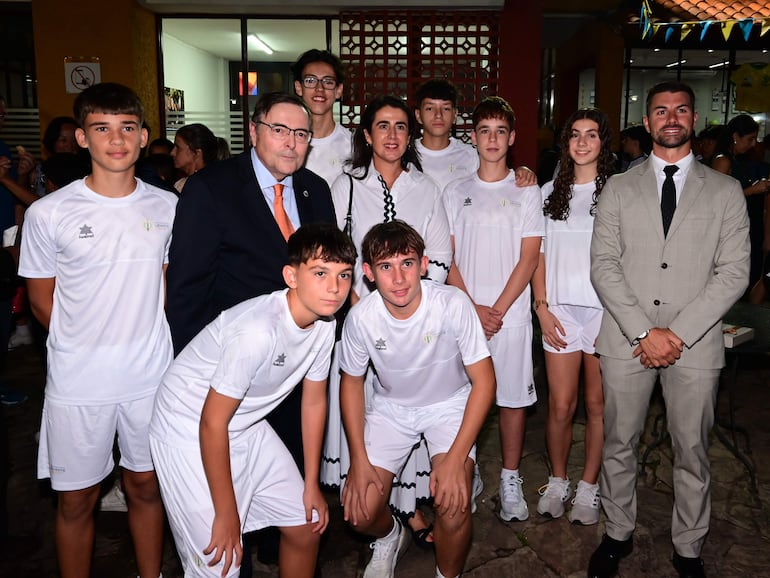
(556, 205)
(362, 151)
(741, 125)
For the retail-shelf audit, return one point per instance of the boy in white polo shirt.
(94, 254)
(435, 379)
(496, 229)
(223, 471)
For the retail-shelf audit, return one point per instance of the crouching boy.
(434, 379)
(222, 469)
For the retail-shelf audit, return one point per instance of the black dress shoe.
(688, 567)
(605, 559)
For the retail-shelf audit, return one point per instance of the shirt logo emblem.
(148, 225)
(380, 345)
(452, 168)
(429, 338)
(280, 360)
(86, 232)
(467, 202)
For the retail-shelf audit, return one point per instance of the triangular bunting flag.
(686, 29)
(727, 28)
(669, 33)
(706, 25)
(746, 25)
(765, 27)
(648, 29)
(655, 28)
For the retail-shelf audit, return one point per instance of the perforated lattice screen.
(393, 52)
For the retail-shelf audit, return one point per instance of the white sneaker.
(585, 506)
(386, 552)
(553, 497)
(114, 500)
(512, 503)
(20, 337)
(478, 487)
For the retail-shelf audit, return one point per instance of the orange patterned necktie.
(280, 213)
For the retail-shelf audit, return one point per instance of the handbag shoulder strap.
(349, 217)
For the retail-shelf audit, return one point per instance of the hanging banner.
(745, 25)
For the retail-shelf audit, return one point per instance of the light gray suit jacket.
(686, 281)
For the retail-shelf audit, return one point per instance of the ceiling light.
(259, 44)
(718, 64)
(671, 64)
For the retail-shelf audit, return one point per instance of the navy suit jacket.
(226, 246)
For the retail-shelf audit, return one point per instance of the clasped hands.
(661, 348)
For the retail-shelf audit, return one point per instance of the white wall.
(201, 75)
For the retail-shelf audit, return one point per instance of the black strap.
(349, 217)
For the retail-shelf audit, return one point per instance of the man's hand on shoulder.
(661, 348)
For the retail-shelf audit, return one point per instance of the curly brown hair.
(556, 206)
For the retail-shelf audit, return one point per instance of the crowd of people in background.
(438, 251)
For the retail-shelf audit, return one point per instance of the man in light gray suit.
(669, 257)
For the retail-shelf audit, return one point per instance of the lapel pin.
(304, 194)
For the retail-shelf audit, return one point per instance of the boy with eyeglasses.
(318, 81)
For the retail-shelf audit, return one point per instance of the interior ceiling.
(288, 38)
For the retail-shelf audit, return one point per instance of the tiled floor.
(738, 546)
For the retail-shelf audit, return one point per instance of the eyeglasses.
(282, 132)
(328, 82)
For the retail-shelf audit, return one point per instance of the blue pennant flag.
(746, 26)
(706, 25)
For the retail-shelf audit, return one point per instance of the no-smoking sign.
(80, 73)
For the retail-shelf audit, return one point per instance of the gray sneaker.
(553, 497)
(478, 487)
(386, 552)
(512, 503)
(114, 500)
(586, 505)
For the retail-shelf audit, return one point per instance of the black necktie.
(668, 197)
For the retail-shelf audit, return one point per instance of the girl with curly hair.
(569, 311)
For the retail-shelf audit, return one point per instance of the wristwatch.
(641, 336)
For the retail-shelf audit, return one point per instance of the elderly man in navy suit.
(230, 231)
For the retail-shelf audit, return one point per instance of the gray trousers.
(690, 397)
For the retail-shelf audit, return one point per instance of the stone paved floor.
(738, 545)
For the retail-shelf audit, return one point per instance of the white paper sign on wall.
(80, 73)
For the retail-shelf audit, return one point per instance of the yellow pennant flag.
(686, 29)
(765, 26)
(727, 28)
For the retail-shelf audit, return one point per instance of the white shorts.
(76, 441)
(511, 350)
(392, 430)
(581, 325)
(268, 491)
